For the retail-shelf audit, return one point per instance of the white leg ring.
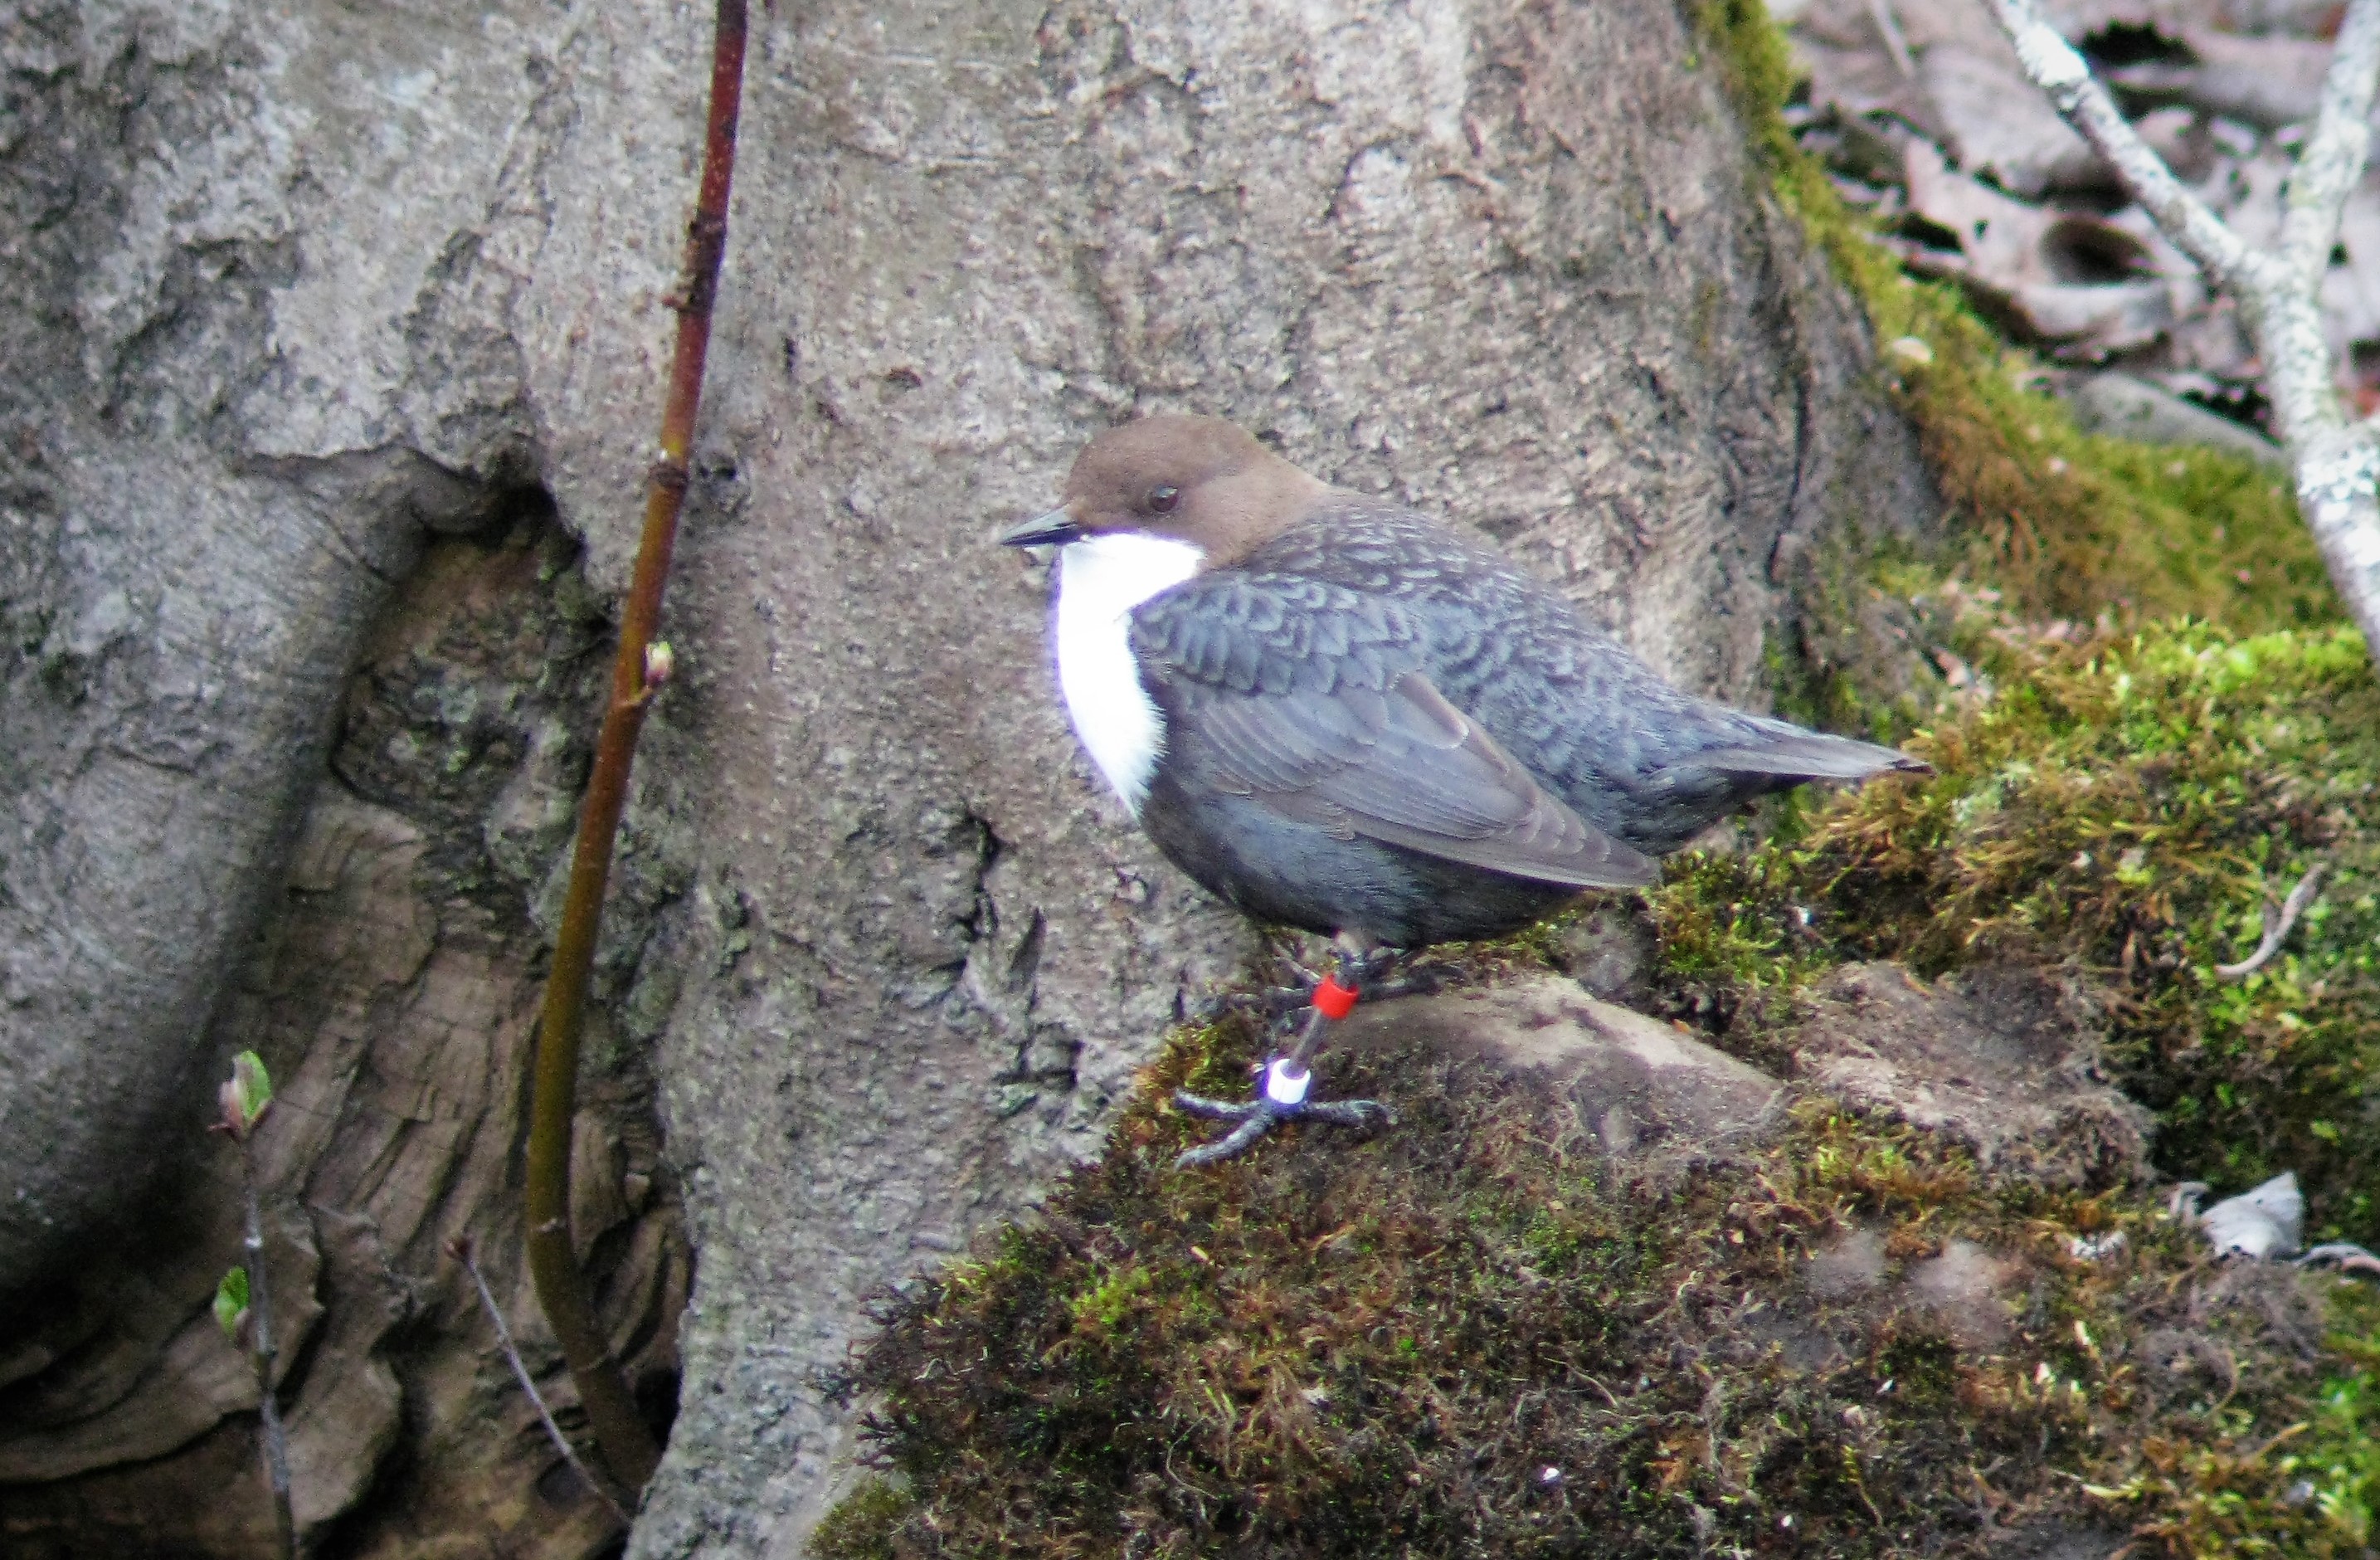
(1283, 1087)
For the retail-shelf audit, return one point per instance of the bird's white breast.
(1101, 580)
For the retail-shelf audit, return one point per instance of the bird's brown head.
(1199, 480)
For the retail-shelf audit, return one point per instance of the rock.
(2050, 1539)
(1963, 1287)
(1609, 949)
(2002, 1059)
(2128, 407)
(1640, 1090)
(1849, 1263)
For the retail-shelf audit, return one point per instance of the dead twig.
(265, 1353)
(460, 1250)
(2278, 922)
(638, 672)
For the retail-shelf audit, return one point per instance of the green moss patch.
(2139, 782)
(2124, 804)
(1464, 1338)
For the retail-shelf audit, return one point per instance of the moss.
(2125, 804)
(2335, 1464)
(864, 1523)
(2217, 762)
(1457, 1339)
(1383, 1347)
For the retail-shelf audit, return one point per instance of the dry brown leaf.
(2288, 18)
(2221, 76)
(2268, 82)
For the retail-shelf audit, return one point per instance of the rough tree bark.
(308, 280)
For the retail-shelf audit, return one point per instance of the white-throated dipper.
(1336, 713)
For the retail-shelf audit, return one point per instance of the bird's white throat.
(1101, 580)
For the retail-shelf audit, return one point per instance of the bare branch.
(2277, 925)
(2337, 475)
(621, 1434)
(2333, 157)
(2053, 65)
(460, 1250)
(263, 1354)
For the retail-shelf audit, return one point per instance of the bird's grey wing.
(1311, 700)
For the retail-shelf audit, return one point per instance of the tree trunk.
(300, 291)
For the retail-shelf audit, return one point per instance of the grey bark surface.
(291, 293)
(304, 283)
(231, 409)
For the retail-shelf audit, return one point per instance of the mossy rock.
(1481, 1334)
(2122, 805)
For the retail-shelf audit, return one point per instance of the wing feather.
(1312, 701)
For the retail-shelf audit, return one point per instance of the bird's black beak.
(1053, 530)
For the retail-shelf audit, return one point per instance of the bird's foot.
(1282, 1100)
(1362, 970)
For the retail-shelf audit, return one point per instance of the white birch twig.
(2332, 159)
(2056, 68)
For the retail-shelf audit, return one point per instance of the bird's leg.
(1279, 1002)
(1282, 1096)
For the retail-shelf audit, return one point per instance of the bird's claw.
(2346, 1255)
(1259, 1117)
(1280, 1002)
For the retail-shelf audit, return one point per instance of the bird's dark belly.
(1279, 870)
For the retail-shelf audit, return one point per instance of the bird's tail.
(1789, 752)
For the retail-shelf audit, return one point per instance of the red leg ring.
(1332, 1000)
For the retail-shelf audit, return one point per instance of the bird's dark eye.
(1162, 500)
